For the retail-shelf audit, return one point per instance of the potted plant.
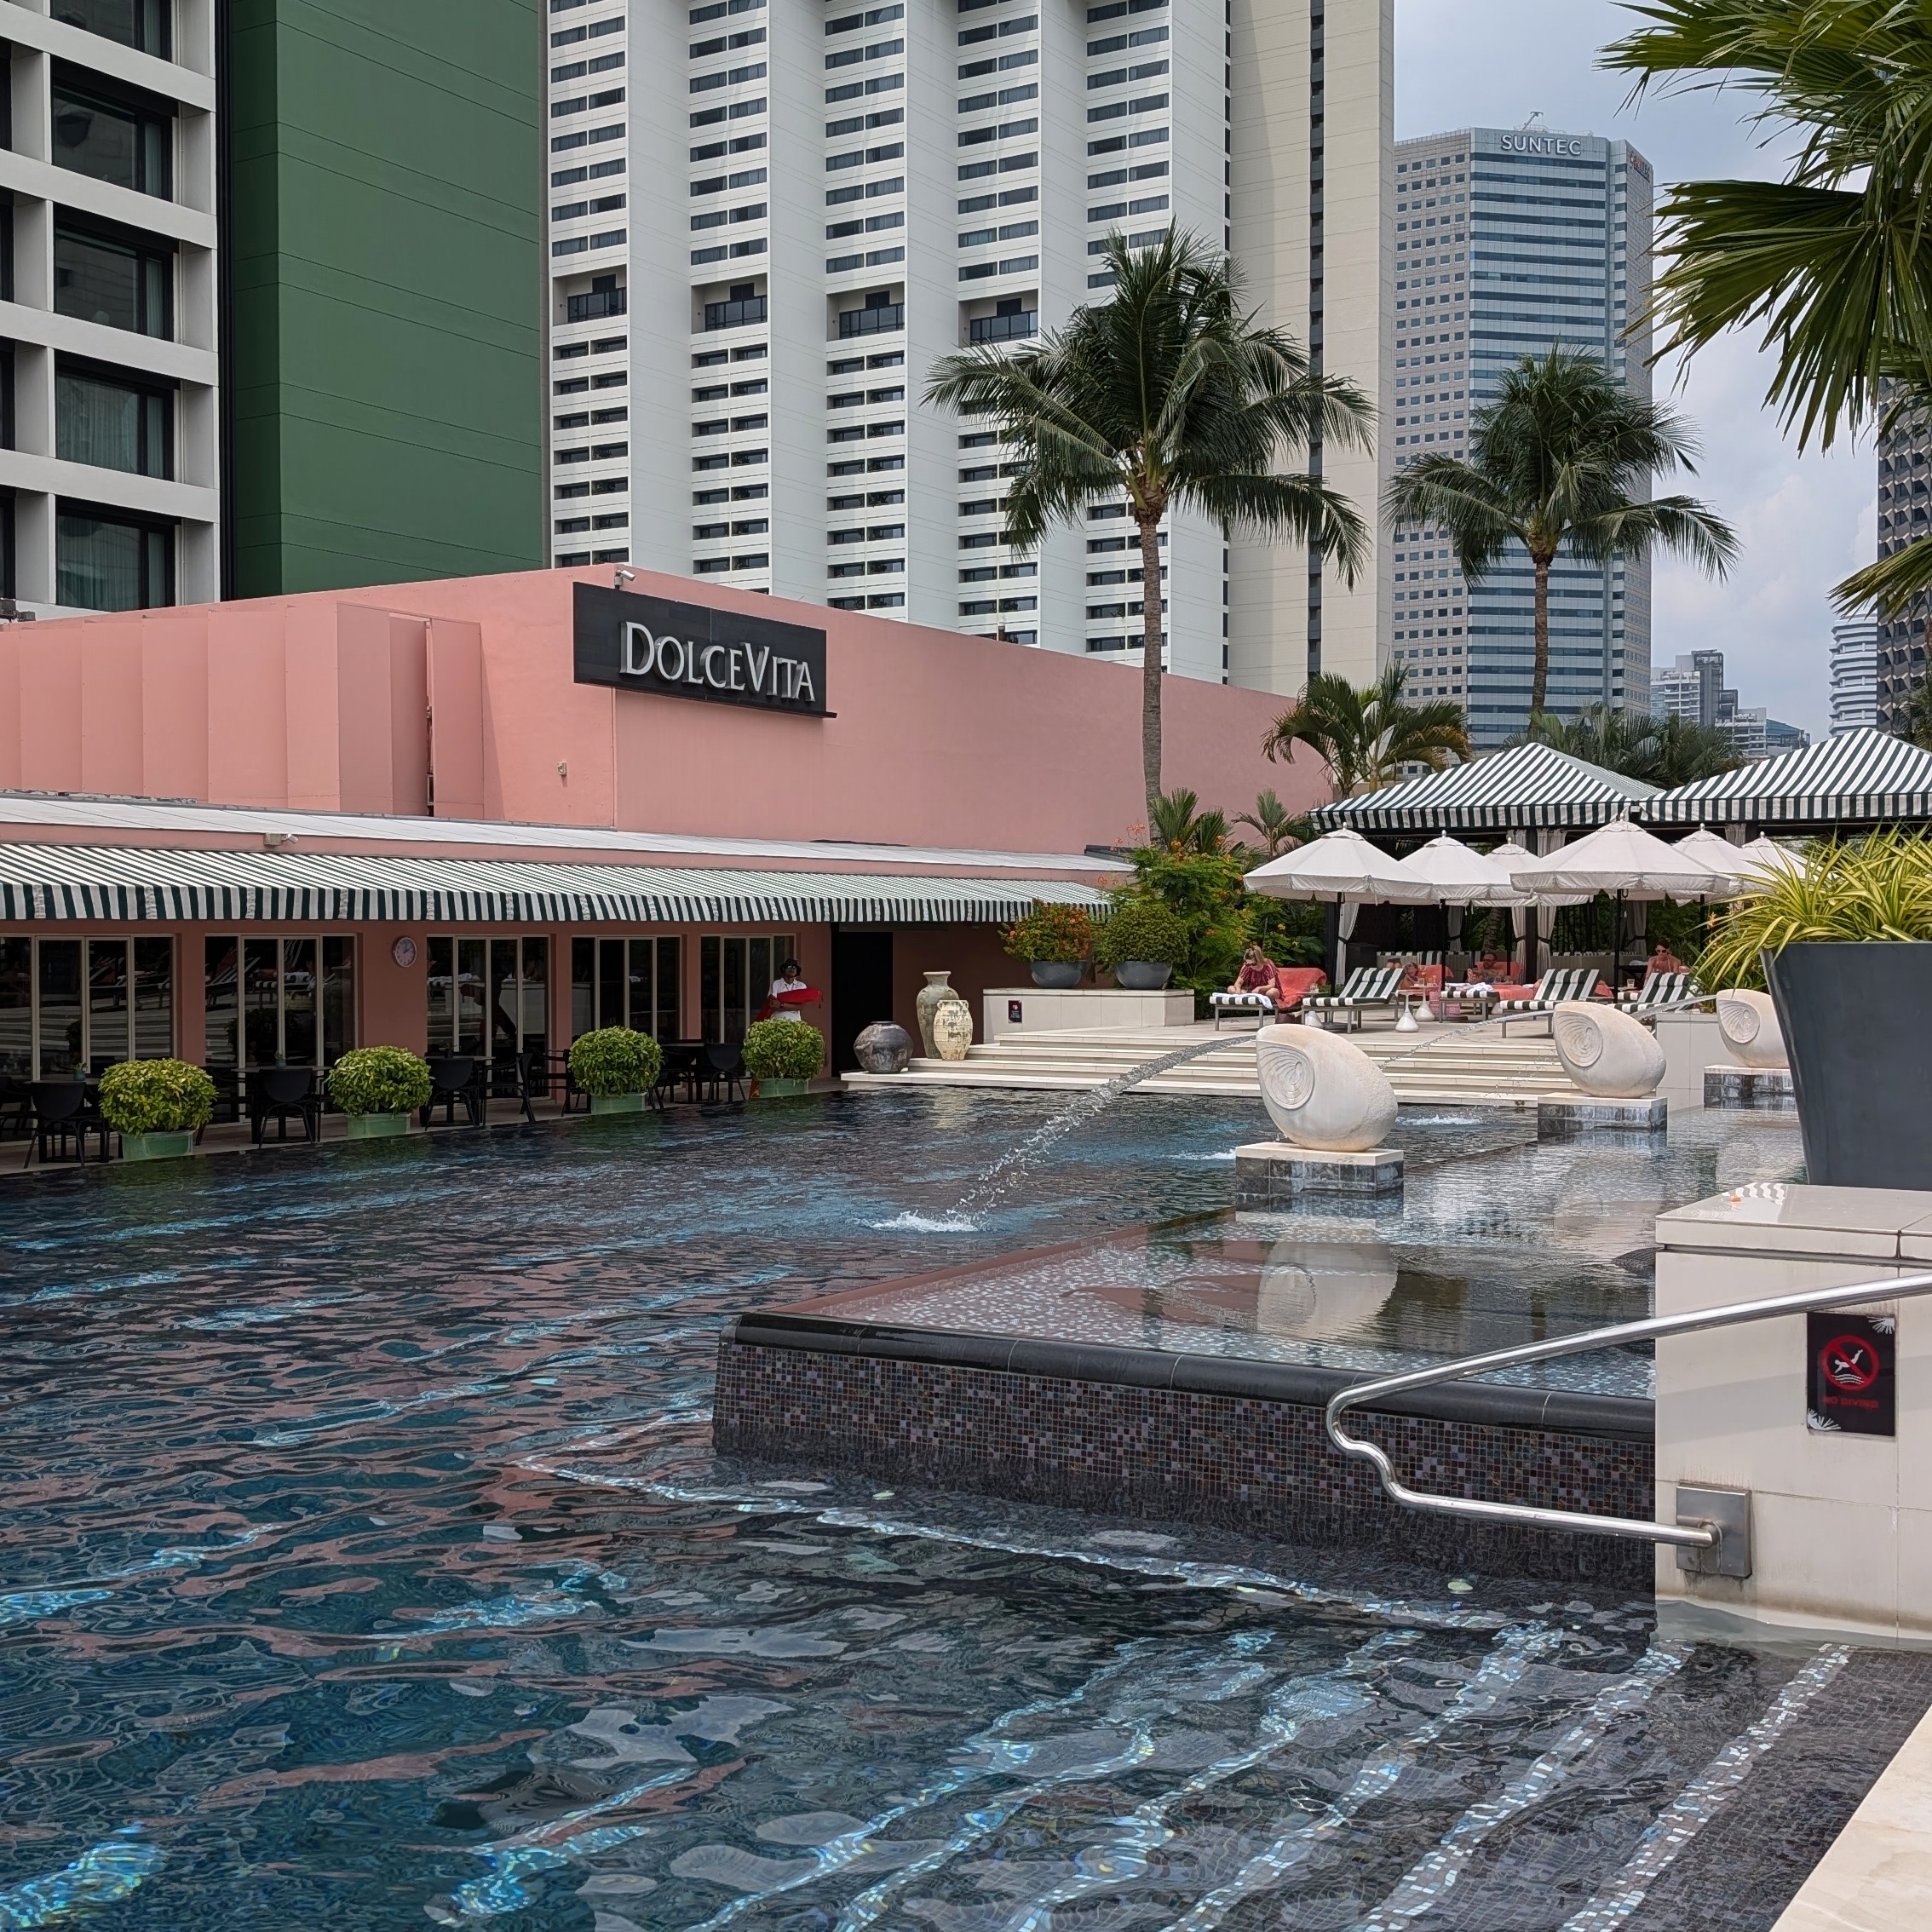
(784, 1057)
(378, 1088)
(157, 1107)
(617, 1066)
(1142, 943)
(1844, 939)
(1055, 940)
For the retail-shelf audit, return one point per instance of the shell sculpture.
(1605, 1053)
(1322, 1091)
(1749, 1022)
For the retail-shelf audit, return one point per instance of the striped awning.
(1862, 777)
(1525, 786)
(47, 881)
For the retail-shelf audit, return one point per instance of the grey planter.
(617, 1103)
(375, 1126)
(1057, 975)
(1861, 1059)
(777, 1089)
(157, 1147)
(1141, 975)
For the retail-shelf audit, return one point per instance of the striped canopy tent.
(1523, 788)
(1856, 779)
(59, 883)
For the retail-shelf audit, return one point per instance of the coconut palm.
(1365, 735)
(1171, 394)
(1832, 266)
(1662, 752)
(1279, 829)
(1562, 461)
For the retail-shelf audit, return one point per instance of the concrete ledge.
(1267, 1173)
(1557, 1117)
(1765, 1089)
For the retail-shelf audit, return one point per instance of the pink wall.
(348, 702)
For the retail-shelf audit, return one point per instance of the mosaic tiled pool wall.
(1169, 1453)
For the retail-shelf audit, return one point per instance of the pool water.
(365, 1566)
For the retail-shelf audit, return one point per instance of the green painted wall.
(384, 353)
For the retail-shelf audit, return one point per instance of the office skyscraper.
(1507, 242)
(769, 218)
(1905, 516)
(1854, 676)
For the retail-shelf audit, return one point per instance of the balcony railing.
(872, 321)
(1004, 328)
(592, 308)
(734, 315)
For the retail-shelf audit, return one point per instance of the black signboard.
(1854, 1391)
(674, 650)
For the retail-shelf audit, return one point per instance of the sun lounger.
(1367, 986)
(1659, 991)
(1293, 985)
(1552, 990)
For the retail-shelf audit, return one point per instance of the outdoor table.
(1406, 999)
(1479, 993)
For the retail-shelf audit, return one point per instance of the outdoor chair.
(16, 1108)
(1367, 986)
(722, 1069)
(1292, 984)
(64, 1111)
(277, 1093)
(455, 1081)
(520, 1076)
(1658, 991)
(1552, 990)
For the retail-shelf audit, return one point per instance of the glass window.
(503, 1042)
(121, 283)
(667, 1003)
(610, 982)
(442, 995)
(535, 1004)
(107, 563)
(113, 424)
(153, 999)
(300, 1037)
(338, 998)
(107, 1014)
(141, 24)
(221, 1002)
(60, 1013)
(260, 1001)
(112, 141)
(472, 991)
(582, 987)
(16, 1008)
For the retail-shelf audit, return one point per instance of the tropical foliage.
(783, 1049)
(156, 1096)
(1276, 827)
(1366, 735)
(1062, 934)
(617, 1060)
(1878, 888)
(1180, 825)
(1661, 751)
(379, 1079)
(1145, 929)
(1561, 462)
(1173, 395)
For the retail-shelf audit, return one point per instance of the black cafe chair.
(523, 1077)
(280, 1094)
(16, 1108)
(723, 1071)
(64, 1111)
(455, 1080)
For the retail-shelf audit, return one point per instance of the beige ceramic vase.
(952, 1027)
(937, 990)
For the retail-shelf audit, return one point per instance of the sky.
(1802, 521)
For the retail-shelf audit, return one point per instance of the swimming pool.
(365, 1566)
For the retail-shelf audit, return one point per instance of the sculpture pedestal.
(1560, 1117)
(1276, 1173)
(1767, 1089)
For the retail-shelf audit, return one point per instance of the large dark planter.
(1058, 976)
(1862, 1058)
(1142, 975)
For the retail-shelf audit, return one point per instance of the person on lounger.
(1257, 973)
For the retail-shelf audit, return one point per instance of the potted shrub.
(617, 1066)
(784, 1057)
(1844, 940)
(378, 1088)
(1055, 940)
(1142, 943)
(157, 1107)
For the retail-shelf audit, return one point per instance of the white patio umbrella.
(1340, 866)
(1709, 849)
(1763, 856)
(1459, 875)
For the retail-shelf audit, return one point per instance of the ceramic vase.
(952, 1028)
(882, 1048)
(937, 990)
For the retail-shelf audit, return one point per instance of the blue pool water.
(363, 1566)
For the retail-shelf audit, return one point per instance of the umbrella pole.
(1616, 948)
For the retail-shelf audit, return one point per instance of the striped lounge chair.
(1570, 982)
(1293, 983)
(1367, 986)
(1659, 991)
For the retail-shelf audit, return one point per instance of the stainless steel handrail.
(1706, 1536)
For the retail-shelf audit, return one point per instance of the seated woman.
(1663, 960)
(1257, 973)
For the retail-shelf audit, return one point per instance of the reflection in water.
(1326, 1290)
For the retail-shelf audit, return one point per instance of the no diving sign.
(1852, 1391)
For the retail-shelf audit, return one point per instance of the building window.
(104, 562)
(113, 422)
(276, 1001)
(130, 145)
(119, 280)
(734, 975)
(491, 997)
(626, 982)
(141, 24)
(79, 1006)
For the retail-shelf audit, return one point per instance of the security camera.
(624, 576)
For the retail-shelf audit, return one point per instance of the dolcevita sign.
(674, 650)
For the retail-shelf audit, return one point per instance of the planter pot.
(376, 1126)
(952, 1028)
(157, 1147)
(1057, 975)
(882, 1048)
(617, 1103)
(1861, 1059)
(777, 1089)
(1141, 975)
(937, 990)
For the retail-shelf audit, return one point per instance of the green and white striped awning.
(47, 881)
(1528, 785)
(1859, 777)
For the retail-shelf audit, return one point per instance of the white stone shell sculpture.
(1322, 1091)
(1749, 1022)
(1605, 1053)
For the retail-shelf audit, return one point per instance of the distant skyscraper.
(1905, 513)
(1854, 676)
(1507, 242)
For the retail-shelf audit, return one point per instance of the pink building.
(482, 815)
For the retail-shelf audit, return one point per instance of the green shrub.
(783, 1049)
(379, 1079)
(1061, 935)
(616, 1060)
(1142, 928)
(156, 1096)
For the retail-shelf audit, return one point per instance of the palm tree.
(1178, 824)
(1280, 829)
(1561, 459)
(1173, 395)
(1365, 736)
(1664, 751)
(1831, 266)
